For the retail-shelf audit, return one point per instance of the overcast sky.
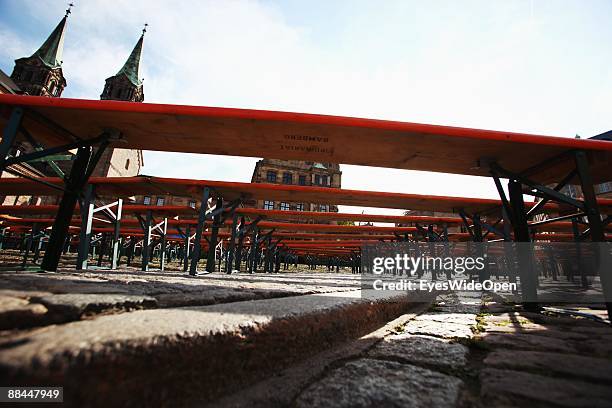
(532, 66)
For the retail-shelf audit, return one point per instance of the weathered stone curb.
(33, 299)
(171, 356)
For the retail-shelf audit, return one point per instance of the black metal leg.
(529, 280)
(212, 246)
(37, 240)
(146, 243)
(186, 249)
(116, 236)
(595, 225)
(240, 245)
(195, 257)
(253, 251)
(102, 249)
(230, 253)
(86, 224)
(74, 185)
(162, 249)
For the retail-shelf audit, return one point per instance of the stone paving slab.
(518, 325)
(425, 350)
(601, 346)
(528, 341)
(15, 310)
(161, 352)
(375, 383)
(76, 305)
(448, 318)
(509, 388)
(429, 327)
(589, 368)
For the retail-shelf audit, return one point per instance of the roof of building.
(50, 53)
(131, 68)
(7, 83)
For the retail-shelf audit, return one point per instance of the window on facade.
(299, 207)
(146, 200)
(604, 188)
(317, 179)
(127, 164)
(324, 208)
(287, 178)
(302, 180)
(192, 203)
(160, 201)
(284, 206)
(324, 180)
(271, 177)
(268, 205)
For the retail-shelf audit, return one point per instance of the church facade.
(41, 74)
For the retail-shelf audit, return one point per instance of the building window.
(604, 188)
(287, 178)
(192, 203)
(160, 201)
(299, 207)
(317, 179)
(324, 180)
(127, 164)
(324, 208)
(284, 206)
(146, 200)
(271, 177)
(268, 205)
(302, 180)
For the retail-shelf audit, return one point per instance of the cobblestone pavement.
(470, 350)
(466, 349)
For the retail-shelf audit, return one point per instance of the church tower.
(41, 73)
(126, 85)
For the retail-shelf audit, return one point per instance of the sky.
(533, 66)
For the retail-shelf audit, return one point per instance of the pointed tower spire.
(52, 49)
(126, 85)
(41, 73)
(131, 68)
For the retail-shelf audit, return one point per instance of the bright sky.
(533, 66)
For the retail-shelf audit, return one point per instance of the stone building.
(126, 85)
(41, 75)
(7, 85)
(296, 172)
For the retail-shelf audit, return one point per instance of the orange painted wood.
(115, 187)
(321, 138)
